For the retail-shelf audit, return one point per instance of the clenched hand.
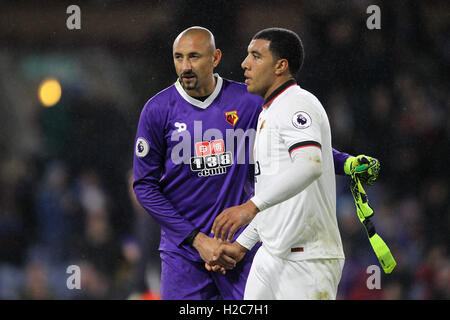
(225, 255)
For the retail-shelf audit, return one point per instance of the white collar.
(201, 104)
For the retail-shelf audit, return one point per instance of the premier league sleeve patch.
(142, 147)
(301, 120)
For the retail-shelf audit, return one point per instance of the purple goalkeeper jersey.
(193, 159)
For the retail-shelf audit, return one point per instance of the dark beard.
(190, 86)
(193, 85)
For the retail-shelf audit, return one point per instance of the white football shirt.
(305, 225)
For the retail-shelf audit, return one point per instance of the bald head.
(195, 57)
(198, 34)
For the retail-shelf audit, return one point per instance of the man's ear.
(281, 66)
(217, 56)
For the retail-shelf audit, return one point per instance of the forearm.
(307, 167)
(164, 213)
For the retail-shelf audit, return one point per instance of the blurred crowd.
(65, 171)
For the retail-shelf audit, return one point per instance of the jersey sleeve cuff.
(190, 238)
(246, 241)
(259, 203)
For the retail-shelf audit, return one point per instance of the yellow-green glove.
(364, 167)
(365, 212)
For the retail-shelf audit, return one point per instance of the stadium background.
(64, 170)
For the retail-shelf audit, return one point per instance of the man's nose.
(244, 64)
(186, 65)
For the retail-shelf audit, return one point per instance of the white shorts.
(272, 278)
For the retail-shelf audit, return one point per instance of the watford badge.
(231, 117)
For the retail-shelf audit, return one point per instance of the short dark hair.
(284, 44)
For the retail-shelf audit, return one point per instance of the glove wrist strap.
(348, 165)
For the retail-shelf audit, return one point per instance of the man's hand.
(365, 167)
(225, 255)
(215, 268)
(231, 219)
(206, 247)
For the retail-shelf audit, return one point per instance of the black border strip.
(305, 144)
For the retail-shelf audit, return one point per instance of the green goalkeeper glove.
(368, 168)
(365, 212)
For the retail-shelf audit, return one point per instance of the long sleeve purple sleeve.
(339, 160)
(148, 164)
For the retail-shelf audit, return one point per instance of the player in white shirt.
(293, 211)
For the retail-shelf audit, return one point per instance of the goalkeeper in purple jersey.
(193, 159)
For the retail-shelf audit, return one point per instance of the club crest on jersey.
(301, 120)
(142, 147)
(231, 117)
